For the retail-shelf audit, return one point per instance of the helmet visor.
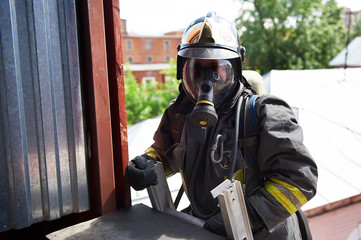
(218, 73)
(204, 51)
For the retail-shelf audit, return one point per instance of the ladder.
(230, 200)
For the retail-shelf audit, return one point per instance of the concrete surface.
(136, 222)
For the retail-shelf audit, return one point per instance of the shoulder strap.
(250, 142)
(254, 119)
(253, 140)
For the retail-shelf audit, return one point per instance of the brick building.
(149, 55)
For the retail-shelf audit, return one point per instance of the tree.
(357, 30)
(148, 99)
(291, 34)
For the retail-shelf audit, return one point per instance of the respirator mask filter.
(207, 83)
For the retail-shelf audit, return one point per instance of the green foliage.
(357, 30)
(148, 99)
(291, 34)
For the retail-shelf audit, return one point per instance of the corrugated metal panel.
(42, 147)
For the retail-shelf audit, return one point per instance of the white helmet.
(209, 37)
(209, 64)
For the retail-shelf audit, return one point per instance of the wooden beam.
(101, 162)
(117, 97)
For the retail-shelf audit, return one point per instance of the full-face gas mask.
(209, 64)
(207, 82)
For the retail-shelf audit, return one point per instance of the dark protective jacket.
(279, 173)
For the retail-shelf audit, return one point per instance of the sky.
(155, 17)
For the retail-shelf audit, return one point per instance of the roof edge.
(333, 206)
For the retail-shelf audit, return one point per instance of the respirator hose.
(235, 144)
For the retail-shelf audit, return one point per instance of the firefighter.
(204, 134)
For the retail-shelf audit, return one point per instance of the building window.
(148, 79)
(129, 45)
(130, 60)
(166, 45)
(149, 59)
(148, 44)
(167, 59)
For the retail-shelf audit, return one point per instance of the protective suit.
(197, 138)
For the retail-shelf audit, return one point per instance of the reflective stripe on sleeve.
(294, 190)
(151, 152)
(290, 197)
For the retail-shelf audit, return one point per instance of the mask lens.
(219, 73)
